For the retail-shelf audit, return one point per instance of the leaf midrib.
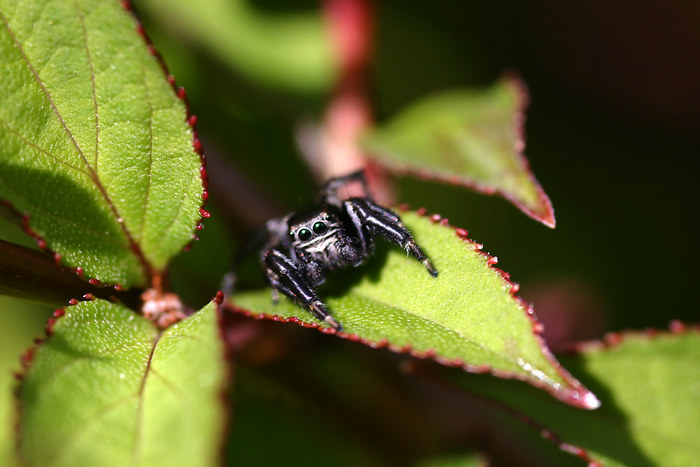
(91, 171)
(140, 407)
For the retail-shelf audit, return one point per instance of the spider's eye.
(319, 228)
(304, 234)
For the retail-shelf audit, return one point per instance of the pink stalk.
(349, 113)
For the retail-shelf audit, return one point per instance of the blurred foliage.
(20, 323)
(647, 384)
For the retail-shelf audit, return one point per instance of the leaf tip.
(548, 218)
(218, 298)
(590, 401)
(578, 397)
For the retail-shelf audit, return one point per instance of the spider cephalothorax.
(302, 248)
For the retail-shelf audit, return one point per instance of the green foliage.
(98, 159)
(467, 315)
(146, 397)
(96, 147)
(20, 322)
(282, 50)
(469, 136)
(648, 390)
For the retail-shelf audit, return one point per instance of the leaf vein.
(85, 426)
(426, 318)
(150, 151)
(66, 366)
(41, 149)
(45, 91)
(91, 69)
(73, 223)
(140, 408)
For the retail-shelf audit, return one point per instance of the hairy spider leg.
(329, 192)
(378, 221)
(274, 232)
(285, 277)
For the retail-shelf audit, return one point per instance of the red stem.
(349, 113)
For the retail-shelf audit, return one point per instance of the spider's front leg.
(284, 276)
(365, 214)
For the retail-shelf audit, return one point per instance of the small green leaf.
(94, 142)
(106, 378)
(467, 316)
(289, 50)
(468, 137)
(649, 390)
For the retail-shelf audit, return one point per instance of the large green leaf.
(289, 49)
(472, 137)
(95, 146)
(467, 316)
(106, 388)
(649, 388)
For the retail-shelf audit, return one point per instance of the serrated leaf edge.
(27, 357)
(196, 146)
(615, 339)
(546, 217)
(575, 394)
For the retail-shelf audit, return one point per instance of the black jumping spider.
(302, 248)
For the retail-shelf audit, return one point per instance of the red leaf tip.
(219, 297)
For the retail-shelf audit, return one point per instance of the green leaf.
(648, 387)
(95, 144)
(471, 137)
(106, 388)
(467, 316)
(289, 50)
(20, 322)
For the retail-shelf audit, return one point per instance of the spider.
(302, 248)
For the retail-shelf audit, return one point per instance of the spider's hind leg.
(263, 238)
(284, 276)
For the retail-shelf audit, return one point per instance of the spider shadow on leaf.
(340, 283)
